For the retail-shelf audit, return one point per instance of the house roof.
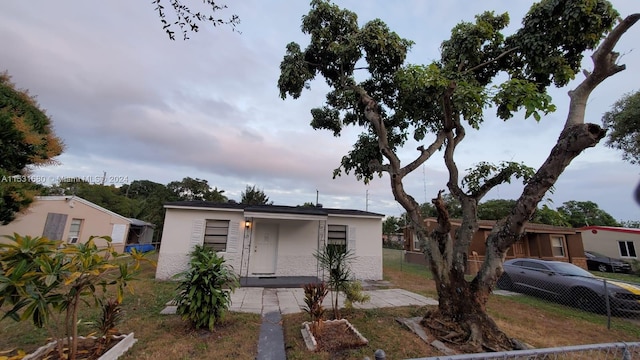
(272, 209)
(70, 198)
(610, 228)
(529, 227)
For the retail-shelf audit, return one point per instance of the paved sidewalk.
(291, 300)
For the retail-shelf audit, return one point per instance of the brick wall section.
(582, 262)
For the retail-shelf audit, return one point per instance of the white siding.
(183, 228)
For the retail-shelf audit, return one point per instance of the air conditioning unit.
(73, 239)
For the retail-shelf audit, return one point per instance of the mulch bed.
(334, 336)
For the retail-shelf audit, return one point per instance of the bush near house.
(204, 293)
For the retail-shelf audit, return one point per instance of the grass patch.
(159, 336)
(377, 325)
(617, 276)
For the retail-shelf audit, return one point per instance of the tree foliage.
(495, 209)
(623, 125)
(585, 213)
(27, 139)
(254, 196)
(190, 189)
(39, 276)
(187, 19)
(480, 67)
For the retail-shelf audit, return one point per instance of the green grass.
(563, 311)
(617, 276)
(393, 259)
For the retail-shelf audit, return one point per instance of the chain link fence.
(608, 351)
(569, 285)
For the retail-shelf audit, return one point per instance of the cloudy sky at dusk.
(128, 101)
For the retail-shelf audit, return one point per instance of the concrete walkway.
(291, 300)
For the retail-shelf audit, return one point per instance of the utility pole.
(104, 177)
(366, 206)
(317, 196)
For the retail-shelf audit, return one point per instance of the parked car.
(603, 263)
(569, 284)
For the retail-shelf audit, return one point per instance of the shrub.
(38, 275)
(353, 293)
(314, 294)
(204, 293)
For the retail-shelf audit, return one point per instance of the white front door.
(265, 248)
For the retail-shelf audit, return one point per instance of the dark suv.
(599, 262)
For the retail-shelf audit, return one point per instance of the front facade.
(614, 242)
(73, 219)
(540, 241)
(268, 240)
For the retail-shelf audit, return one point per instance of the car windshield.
(570, 269)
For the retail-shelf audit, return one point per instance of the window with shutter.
(337, 236)
(216, 234)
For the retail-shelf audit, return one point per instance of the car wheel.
(587, 300)
(603, 268)
(505, 283)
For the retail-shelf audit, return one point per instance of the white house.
(614, 242)
(269, 240)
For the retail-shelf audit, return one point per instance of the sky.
(129, 102)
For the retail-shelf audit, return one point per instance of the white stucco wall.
(177, 239)
(297, 242)
(367, 264)
(606, 242)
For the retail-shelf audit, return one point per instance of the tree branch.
(604, 65)
(492, 60)
(498, 179)
(425, 154)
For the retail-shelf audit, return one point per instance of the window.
(74, 231)
(337, 236)
(557, 246)
(54, 226)
(215, 234)
(627, 248)
(416, 243)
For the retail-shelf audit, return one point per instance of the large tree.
(435, 103)
(254, 196)
(191, 189)
(585, 213)
(27, 140)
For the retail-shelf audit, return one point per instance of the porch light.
(247, 224)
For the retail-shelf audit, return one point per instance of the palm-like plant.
(314, 294)
(38, 275)
(335, 261)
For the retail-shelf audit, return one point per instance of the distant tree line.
(145, 199)
(571, 214)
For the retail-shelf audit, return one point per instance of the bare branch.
(604, 66)
(492, 60)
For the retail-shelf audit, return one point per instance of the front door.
(265, 249)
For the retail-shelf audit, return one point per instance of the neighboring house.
(395, 238)
(269, 240)
(541, 241)
(74, 219)
(614, 242)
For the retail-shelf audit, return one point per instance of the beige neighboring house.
(614, 242)
(74, 219)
